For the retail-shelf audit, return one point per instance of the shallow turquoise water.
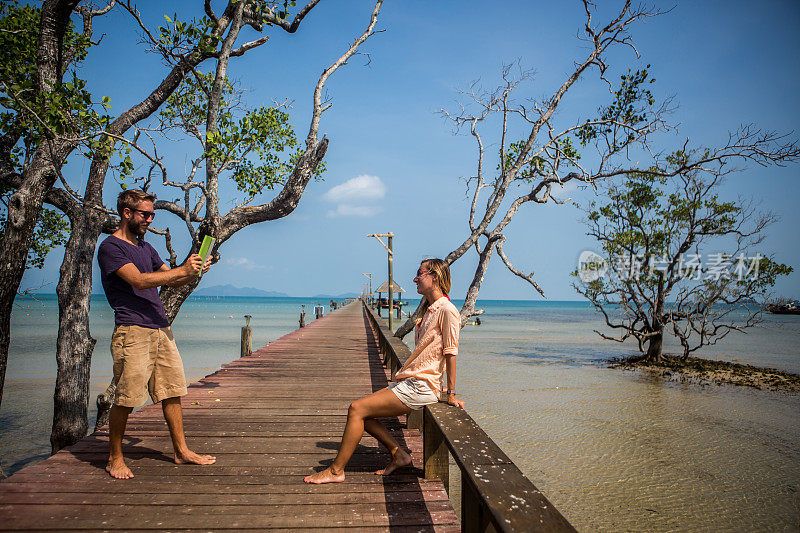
(613, 450)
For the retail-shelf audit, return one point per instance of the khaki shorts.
(146, 356)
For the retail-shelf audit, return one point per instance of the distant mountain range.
(230, 290)
(337, 296)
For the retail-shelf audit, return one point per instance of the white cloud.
(363, 187)
(347, 210)
(356, 197)
(244, 262)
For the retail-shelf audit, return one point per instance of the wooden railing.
(495, 494)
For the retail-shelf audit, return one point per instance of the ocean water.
(614, 450)
(618, 450)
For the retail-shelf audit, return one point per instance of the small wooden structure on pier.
(383, 303)
(271, 418)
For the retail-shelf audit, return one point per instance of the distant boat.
(784, 308)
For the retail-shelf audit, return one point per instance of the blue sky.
(394, 164)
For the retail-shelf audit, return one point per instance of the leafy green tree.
(678, 258)
(46, 114)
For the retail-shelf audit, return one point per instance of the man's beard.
(137, 228)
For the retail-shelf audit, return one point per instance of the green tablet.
(205, 248)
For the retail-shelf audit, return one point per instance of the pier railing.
(495, 494)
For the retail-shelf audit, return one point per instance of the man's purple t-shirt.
(132, 307)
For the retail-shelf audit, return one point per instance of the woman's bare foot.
(118, 469)
(326, 476)
(189, 457)
(399, 459)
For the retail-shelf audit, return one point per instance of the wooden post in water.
(303, 316)
(247, 337)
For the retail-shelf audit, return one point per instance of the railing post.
(434, 451)
(474, 515)
(414, 420)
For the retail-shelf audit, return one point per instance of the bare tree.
(550, 155)
(248, 151)
(656, 277)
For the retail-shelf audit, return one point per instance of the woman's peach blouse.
(436, 335)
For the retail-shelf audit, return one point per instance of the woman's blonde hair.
(441, 271)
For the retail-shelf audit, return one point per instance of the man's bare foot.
(399, 459)
(326, 476)
(189, 457)
(118, 469)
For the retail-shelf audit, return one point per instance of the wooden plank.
(31, 483)
(54, 517)
(246, 478)
(204, 499)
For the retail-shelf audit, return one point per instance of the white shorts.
(414, 393)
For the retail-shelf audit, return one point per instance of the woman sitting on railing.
(417, 383)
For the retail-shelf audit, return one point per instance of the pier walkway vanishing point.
(270, 419)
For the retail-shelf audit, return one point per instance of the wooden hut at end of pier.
(383, 303)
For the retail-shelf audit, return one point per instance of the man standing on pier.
(142, 346)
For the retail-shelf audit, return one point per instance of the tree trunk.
(25, 205)
(468, 309)
(75, 343)
(105, 400)
(173, 298)
(409, 324)
(24, 209)
(654, 346)
(475, 287)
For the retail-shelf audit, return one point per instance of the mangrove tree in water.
(676, 257)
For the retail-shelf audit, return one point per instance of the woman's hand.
(452, 400)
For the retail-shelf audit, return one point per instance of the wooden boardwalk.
(270, 419)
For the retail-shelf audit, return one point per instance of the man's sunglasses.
(147, 215)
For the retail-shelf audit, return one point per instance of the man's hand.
(193, 264)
